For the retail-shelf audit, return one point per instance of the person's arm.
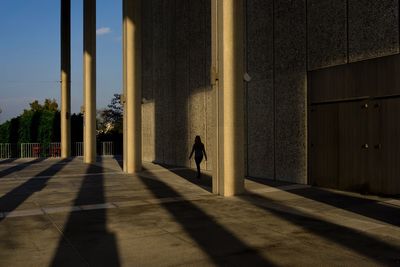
(191, 153)
(204, 151)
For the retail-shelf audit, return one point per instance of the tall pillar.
(132, 85)
(65, 78)
(89, 80)
(227, 72)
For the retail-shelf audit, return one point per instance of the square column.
(227, 74)
(89, 80)
(65, 78)
(132, 74)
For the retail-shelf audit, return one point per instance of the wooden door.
(353, 145)
(375, 152)
(324, 145)
(390, 145)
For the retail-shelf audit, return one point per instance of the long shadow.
(5, 161)
(20, 194)
(120, 160)
(354, 240)
(86, 232)
(19, 167)
(366, 207)
(189, 175)
(211, 237)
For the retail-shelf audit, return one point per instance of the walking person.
(198, 150)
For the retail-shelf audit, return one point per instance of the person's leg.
(198, 161)
(198, 169)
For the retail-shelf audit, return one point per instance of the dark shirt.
(198, 150)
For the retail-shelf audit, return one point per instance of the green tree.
(110, 119)
(49, 105)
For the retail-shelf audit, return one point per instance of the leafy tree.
(110, 119)
(40, 124)
(49, 105)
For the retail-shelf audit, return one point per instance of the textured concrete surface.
(197, 35)
(283, 37)
(290, 91)
(177, 60)
(327, 33)
(66, 213)
(260, 90)
(373, 28)
(182, 82)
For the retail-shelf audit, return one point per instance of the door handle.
(365, 146)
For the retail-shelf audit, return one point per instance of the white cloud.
(103, 31)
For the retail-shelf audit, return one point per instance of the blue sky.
(30, 53)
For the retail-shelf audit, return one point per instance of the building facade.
(286, 44)
(303, 91)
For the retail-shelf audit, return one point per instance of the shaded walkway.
(72, 214)
(86, 234)
(13, 199)
(210, 236)
(19, 167)
(377, 250)
(370, 207)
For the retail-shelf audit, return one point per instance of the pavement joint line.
(101, 206)
(23, 213)
(166, 170)
(63, 236)
(107, 205)
(344, 221)
(270, 189)
(37, 164)
(58, 176)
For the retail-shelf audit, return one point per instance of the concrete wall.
(176, 91)
(287, 38)
(284, 40)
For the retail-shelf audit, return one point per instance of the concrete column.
(133, 87)
(65, 78)
(227, 72)
(124, 147)
(89, 80)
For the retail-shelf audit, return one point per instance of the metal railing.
(5, 151)
(107, 148)
(30, 150)
(53, 150)
(78, 151)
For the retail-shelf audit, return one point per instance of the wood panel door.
(375, 152)
(390, 145)
(353, 145)
(324, 145)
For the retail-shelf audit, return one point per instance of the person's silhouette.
(198, 150)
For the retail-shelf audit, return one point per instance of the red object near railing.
(55, 151)
(36, 150)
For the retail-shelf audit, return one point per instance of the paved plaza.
(66, 213)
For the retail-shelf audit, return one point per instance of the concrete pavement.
(66, 213)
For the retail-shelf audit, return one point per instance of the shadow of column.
(359, 205)
(13, 199)
(190, 175)
(216, 241)
(19, 167)
(362, 243)
(86, 231)
(5, 161)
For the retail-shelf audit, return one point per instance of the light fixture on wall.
(246, 77)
